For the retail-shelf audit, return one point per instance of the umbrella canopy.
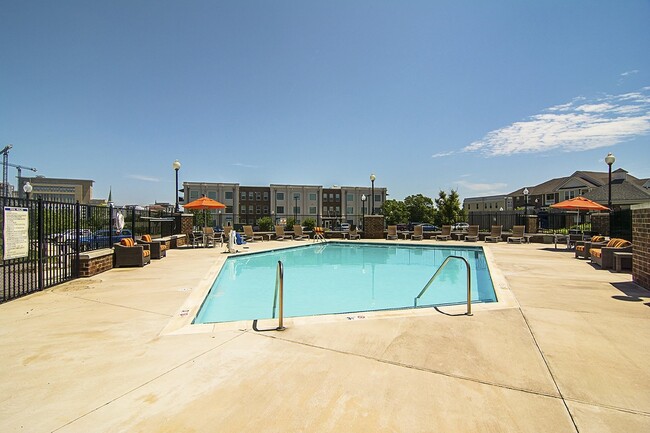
(579, 203)
(204, 203)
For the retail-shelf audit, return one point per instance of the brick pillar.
(531, 223)
(373, 226)
(600, 223)
(184, 224)
(641, 244)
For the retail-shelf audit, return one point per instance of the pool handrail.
(279, 294)
(469, 283)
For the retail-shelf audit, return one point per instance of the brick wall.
(600, 223)
(373, 226)
(641, 244)
(531, 223)
(95, 262)
(186, 224)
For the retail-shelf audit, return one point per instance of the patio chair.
(210, 237)
(127, 253)
(354, 234)
(249, 234)
(298, 235)
(196, 238)
(604, 256)
(472, 234)
(445, 235)
(417, 235)
(158, 248)
(517, 235)
(392, 233)
(583, 247)
(280, 235)
(495, 234)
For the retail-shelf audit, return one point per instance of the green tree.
(449, 210)
(290, 222)
(309, 223)
(420, 208)
(265, 224)
(395, 212)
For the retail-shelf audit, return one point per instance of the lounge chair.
(127, 253)
(280, 235)
(298, 235)
(249, 234)
(392, 233)
(472, 234)
(583, 247)
(354, 234)
(417, 233)
(157, 248)
(495, 234)
(604, 256)
(445, 235)
(517, 235)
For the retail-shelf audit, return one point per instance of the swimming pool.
(340, 277)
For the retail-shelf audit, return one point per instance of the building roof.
(623, 192)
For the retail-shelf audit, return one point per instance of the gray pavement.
(564, 350)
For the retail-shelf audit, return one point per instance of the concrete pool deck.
(569, 352)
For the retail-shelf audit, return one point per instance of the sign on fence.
(16, 232)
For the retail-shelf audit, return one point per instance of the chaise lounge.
(417, 235)
(472, 233)
(445, 235)
(495, 234)
(250, 236)
(392, 233)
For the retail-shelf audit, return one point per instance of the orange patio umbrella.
(203, 204)
(579, 203)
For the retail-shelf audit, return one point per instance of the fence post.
(110, 226)
(41, 244)
(133, 223)
(77, 247)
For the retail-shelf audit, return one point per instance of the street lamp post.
(363, 208)
(295, 208)
(27, 188)
(526, 201)
(176, 166)
(609, 160)
(372, 192)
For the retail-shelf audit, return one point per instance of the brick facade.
(531, 223)
(186, 224)
(600, 223)
(641, 244)
(373, 226)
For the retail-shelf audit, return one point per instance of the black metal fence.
(620, 224)
(57, 233)
(507, 219)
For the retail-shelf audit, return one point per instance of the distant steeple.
(110, 194)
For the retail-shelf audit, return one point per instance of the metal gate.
(620, 224)
(52, 258)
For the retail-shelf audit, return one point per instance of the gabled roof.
(622, 192)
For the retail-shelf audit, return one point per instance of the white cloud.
(575, 126)
(441, 154)
(239, 164)
(634, 71)
(145, 178)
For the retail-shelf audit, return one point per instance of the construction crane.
(5, 161)
(19, 168)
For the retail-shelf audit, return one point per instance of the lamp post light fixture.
(295, 208)
(609, 160)
(363, 208)
(176, 166)
(526, 192)
(372, 193)
(27, 188)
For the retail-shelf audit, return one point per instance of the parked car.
(460, 226)
(425, 227)
(345, 227)
(103, 239)
(68, 236)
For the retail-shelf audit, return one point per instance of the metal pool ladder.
(469, 283)
(278, 298)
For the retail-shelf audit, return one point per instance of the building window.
(349, 210)
(296, 195)
(258, 196)
(212, 195)
(194, 194)
(338, 196)
(251, 196)
(258, 210)
(228, 195)
(377, 198)
(266, 195)
(243, 195)
(279, 210)
(243, 209)
(312, 196)
(296, 210)
(312, 210)
(228, 209)
(350, 197)
(266, 210)
(279, 196)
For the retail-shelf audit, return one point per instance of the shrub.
(309, 223)
(265, 224)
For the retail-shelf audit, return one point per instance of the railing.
(469, 283)
(278, 300)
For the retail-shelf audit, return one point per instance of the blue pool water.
(343, 277)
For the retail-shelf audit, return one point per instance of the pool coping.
(181, 322)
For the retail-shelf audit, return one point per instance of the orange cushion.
(146, 253)
(597, 238)
(127, 242)
(595, 252)
(580, 248)
(146, 238)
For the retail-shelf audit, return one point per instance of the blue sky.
(483, 97)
